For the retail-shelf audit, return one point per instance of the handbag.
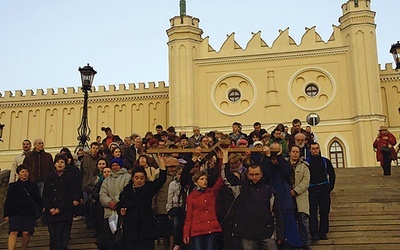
(119, 239)
(113, 222)
(175, 211)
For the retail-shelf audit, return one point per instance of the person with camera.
(384, 147)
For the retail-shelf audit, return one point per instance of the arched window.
(336, 155)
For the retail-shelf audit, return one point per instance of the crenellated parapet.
(283, 47)
(389, 73)
(72, 95)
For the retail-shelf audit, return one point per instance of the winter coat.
(257, 207)
(111, 188)
(89, 172)
(58, 192)
(301, 184)
(322, 174)
(77, 181)
(390, 142)
(40, 164)
(280, 181)
(20, 202)
(138, 223)
(160, 200)
(201, 218)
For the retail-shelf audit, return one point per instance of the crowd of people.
(276, 197)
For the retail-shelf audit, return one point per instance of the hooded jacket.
(111, 188)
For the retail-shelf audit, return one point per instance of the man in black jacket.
(256, 211)
(322, 182)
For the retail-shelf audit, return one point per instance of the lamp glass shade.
(87, 75)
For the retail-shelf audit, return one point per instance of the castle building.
(338, 79)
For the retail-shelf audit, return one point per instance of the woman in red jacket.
(384, 145)
(201, 224)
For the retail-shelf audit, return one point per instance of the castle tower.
(358, 30)
(184, 39)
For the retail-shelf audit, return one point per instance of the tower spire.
(182, 5)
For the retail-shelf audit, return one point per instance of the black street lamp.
(87, 75)
(1, 131)
(395, 51)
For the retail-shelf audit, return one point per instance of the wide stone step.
(363, 222)
(81, 238)
(368, 217)
(377, 227)
(364, 246)
(362, 241)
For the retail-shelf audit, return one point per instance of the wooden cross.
(223, 143)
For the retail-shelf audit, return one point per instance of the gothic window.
(234, 95)
(336, 155)
(312, 90)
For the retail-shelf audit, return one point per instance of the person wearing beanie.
(119, 161)
(109, 197)
(242, 143)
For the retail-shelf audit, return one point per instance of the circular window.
(312, 90)
(234, 95)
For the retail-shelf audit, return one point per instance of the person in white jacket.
(109, 197)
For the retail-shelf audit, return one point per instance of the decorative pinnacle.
(182, 5)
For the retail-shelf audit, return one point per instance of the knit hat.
(257, 143)
(118, 161)
(242, 142)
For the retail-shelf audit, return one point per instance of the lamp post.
(87, 75)
(395, 51)
(1, 131)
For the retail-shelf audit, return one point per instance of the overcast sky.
(43, 42)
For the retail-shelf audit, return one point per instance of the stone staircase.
(365, 214)
(365, 210)
(81, 238)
